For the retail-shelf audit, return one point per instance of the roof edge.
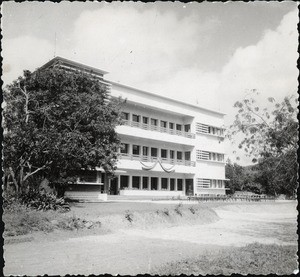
(73, 64)
(166, 98)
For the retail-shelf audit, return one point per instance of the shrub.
(178, 209)
(192, 210)
(166, 212)
(129, 216)
(34, 199)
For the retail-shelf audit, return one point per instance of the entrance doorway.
(189, 188)
(114, 186)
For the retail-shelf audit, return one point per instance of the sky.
(208, 54)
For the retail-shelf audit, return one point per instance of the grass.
(254, 259)
(20, 220)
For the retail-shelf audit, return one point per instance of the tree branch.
(24, 91)
(37, 170)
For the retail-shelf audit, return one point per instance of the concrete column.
(129, 148)
(175, 184)
(149, 183)
(184, 186)
(141, 182)
(159, 183)
(130, 182)
(119, 182)
(168, 185)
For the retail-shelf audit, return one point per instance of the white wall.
(210, 170)
(210, 191)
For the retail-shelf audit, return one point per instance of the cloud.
(156, 51)
(150, 50)
(270, 66)
(22, 53)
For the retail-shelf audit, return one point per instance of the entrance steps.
(135, 197)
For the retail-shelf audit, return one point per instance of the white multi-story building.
(169, 148)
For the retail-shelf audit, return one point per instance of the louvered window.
(203, 183)
(202, 155)
(202, 128)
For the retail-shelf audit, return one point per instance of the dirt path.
(133, 251)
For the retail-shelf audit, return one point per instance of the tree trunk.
(12, 174)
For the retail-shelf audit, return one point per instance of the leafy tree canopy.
(270, 136)
(56, 121)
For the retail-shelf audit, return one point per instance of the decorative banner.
(168, 170)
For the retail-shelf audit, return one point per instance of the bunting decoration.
(168, 170)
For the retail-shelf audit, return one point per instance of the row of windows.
(143, 182)
(154, 152)
(209, 183)
(154, 122)
(206, 129)
(205, 155)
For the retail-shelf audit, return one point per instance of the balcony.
(154, 159)
(158, 129)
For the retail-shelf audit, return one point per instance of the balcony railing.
(154, 159)
(158, 129)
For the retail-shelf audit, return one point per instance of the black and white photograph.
(153, 138)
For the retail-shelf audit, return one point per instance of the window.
(187, 128)
(220, 183)
(172, 184)
(214, 183)
(153, 152)
(220, 157)
(163, 124)
(145, 150)
(153, 122)
(124, 148)
(125, 116)
(179, 184)
(135, 118)
(202, 155)
(164, 183)
(88, 176)
(164, 153)
(124, 181)
(172, 154)
(171, 125)
(213, 156)
(136, 182)
(187, 156)
(202, 128)
(135, 149)
(154, 182)
(145, 182)
(179, 155)
(203, 183)
(178, 127)
(145, 120)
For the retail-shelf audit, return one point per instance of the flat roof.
(165, 98)
(73, 64)
(84, 67)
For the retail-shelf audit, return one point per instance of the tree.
(234, 173)
(57, 121)
(270, 136)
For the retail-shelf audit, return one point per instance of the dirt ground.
(138, 251)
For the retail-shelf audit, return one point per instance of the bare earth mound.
(153, 240)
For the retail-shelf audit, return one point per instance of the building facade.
(169, 148)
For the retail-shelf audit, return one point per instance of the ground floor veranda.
(139, 183)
